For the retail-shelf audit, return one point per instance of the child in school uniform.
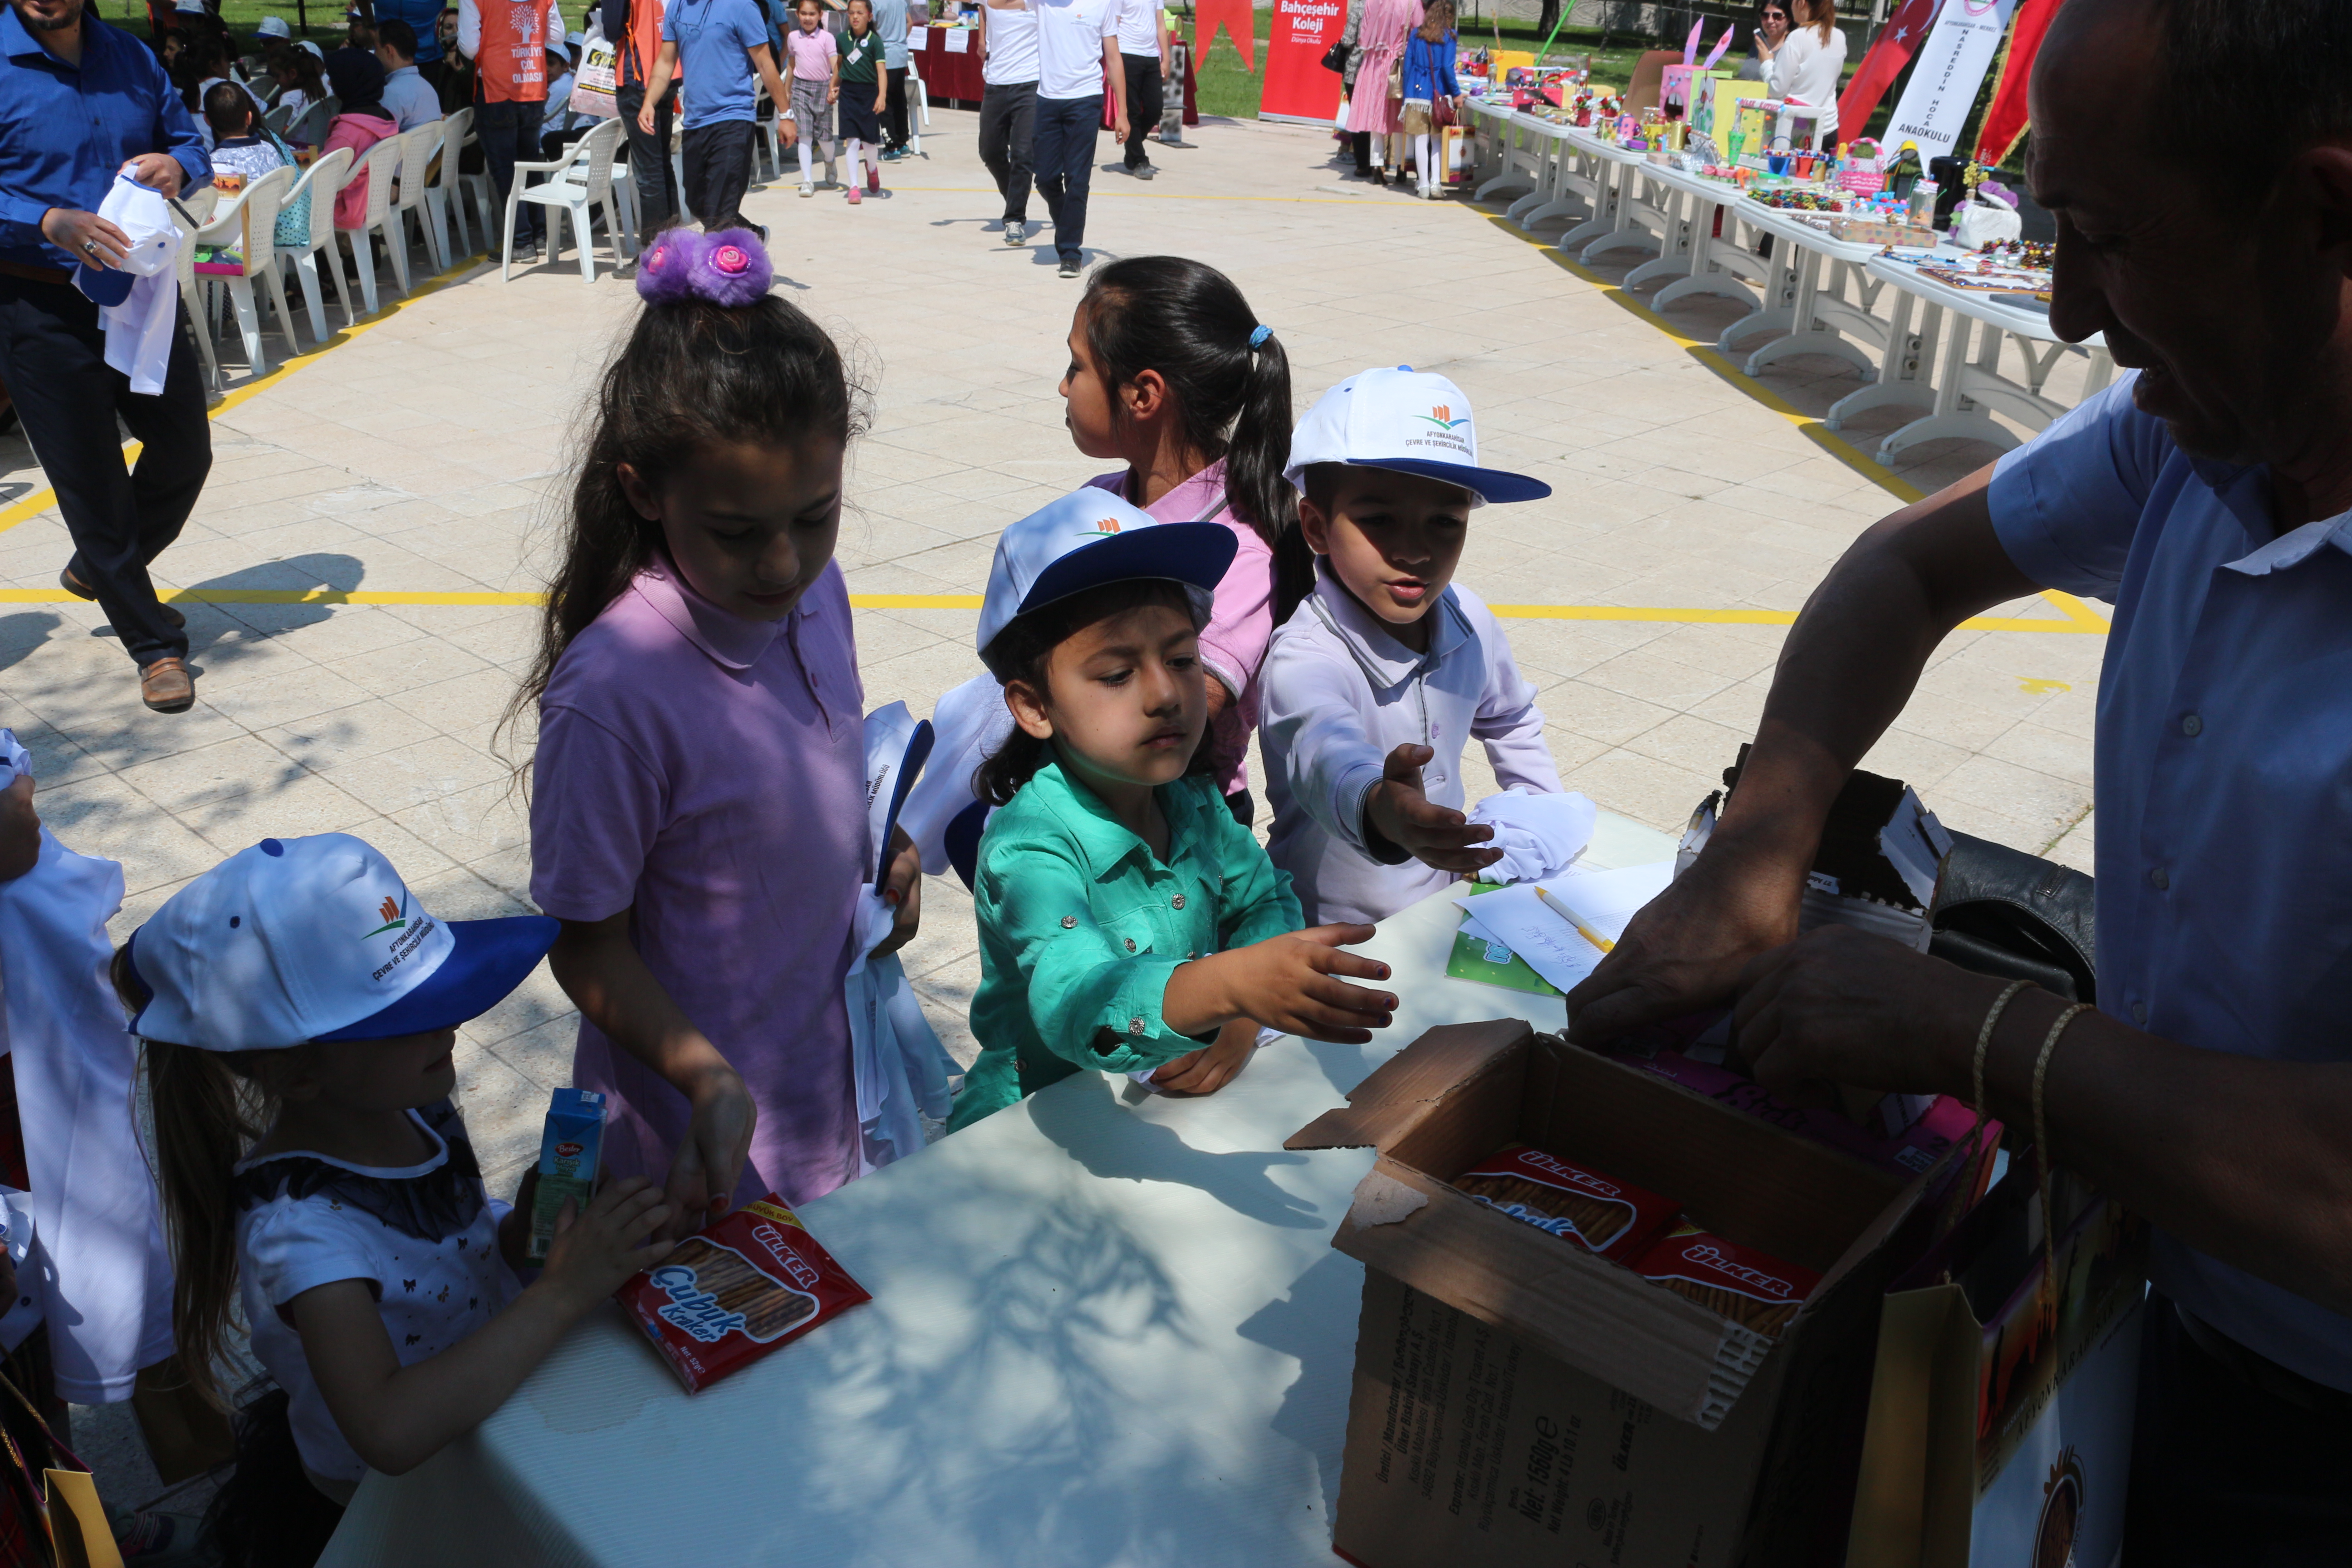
(860, 77)
(301, 988)
(1127, 924)
(815, 69)
(698, 814)
(1372, 688)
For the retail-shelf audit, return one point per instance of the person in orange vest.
(508, 45)
(638, 25)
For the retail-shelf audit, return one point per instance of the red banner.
(1901, 38)
(1236, 19)
(2005, 117)
(1297, 85)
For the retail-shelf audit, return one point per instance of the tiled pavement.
(428, 455)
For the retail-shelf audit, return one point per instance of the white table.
(1109, 1327)
(1966, 384)
(1627, 215)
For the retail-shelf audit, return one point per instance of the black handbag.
(2005, 912)
(1335, 59)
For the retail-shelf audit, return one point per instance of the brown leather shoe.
(81, 590)
(166, 686)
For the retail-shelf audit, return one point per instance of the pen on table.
(1582, 929)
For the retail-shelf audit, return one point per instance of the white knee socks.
(1428, 171)
(804, 150)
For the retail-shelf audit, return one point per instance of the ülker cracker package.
(1598, 1212)
(1737, 1282)
(744, 1286)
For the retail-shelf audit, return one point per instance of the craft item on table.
(1991, 279)
(1479, 956)
(2035, 255)
(1597, 1213)
(1539, 835)
(571, 1151)
(748, 1283)
(1752, 1288)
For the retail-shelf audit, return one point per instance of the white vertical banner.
(1945, 77)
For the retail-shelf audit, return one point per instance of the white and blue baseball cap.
(1411, 421)
(145, 220)
(318, 939)
(1091, 537)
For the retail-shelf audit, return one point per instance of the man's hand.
(790, 128)
(1842, 1006)
(157, 172)
(1436, 835)
(646, 114)
(86, 236)
(1118, 126)
(902, 885)
(1688, 947)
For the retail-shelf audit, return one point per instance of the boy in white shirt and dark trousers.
(1143, 54)
(1077, 42)
(1008, 108)
(1372, 687)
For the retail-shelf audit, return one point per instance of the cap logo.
(395, 917)
(1103, 529)
(1441, 415)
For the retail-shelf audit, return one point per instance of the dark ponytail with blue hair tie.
(1231, 381)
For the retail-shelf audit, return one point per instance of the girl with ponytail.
(1172, 375)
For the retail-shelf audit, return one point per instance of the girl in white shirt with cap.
(299, 1007)
(1371, 687)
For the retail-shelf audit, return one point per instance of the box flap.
(1409, 1085)
(1576, 1307)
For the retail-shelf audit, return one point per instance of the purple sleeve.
(595, 811)
(1240, 617)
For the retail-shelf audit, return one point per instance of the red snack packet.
(1597, 1213)
(729, 1295)
(1738, 1282)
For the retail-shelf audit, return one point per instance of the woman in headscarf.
(356, 77)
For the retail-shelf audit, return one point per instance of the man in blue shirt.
(890, 26)
(2208, 498)
(723, 46)
(80, 101)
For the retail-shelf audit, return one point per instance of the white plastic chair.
(382, 163)
(446, 194)
(416, 150)
(919, 112)
(198, 202)
(321, 180)
(580, 180)
(251, 219)
(485, 196)
(624, 181)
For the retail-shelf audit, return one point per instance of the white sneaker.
(807, 189)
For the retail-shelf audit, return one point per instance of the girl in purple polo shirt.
(697, 816)
(1172, 374)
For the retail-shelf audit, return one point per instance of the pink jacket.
(359, 132)
(1241, 622)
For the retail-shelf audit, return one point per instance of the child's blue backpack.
(293, 220)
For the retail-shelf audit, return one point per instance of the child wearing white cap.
(1127, 924)
(301, 989)
(1374, 684)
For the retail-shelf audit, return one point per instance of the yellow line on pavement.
(2080, 616)
(2085, 623)
(1097, 193)
(41, 501)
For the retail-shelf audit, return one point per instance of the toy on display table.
(1678, 90)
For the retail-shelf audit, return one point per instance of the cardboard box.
(1757, 1435)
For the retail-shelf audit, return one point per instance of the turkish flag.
(2005, 117)
(1239, 22)
(1901, 38)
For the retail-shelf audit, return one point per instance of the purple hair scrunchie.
(730, 269)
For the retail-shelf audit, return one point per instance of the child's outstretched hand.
(1291, 984)
(595, 1249)
(1396, 809)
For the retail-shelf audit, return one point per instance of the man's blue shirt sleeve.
(2066, 504)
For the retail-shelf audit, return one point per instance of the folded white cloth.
(1539, 835)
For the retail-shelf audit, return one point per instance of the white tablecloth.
(1109, 1327)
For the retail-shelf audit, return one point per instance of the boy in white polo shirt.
(1077, 41)
(1373, 686)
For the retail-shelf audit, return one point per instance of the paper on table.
(958, 40)
(1518, 919)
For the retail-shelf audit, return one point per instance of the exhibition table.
(1108, 1328)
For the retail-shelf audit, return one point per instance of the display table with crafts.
(1107, 1327)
